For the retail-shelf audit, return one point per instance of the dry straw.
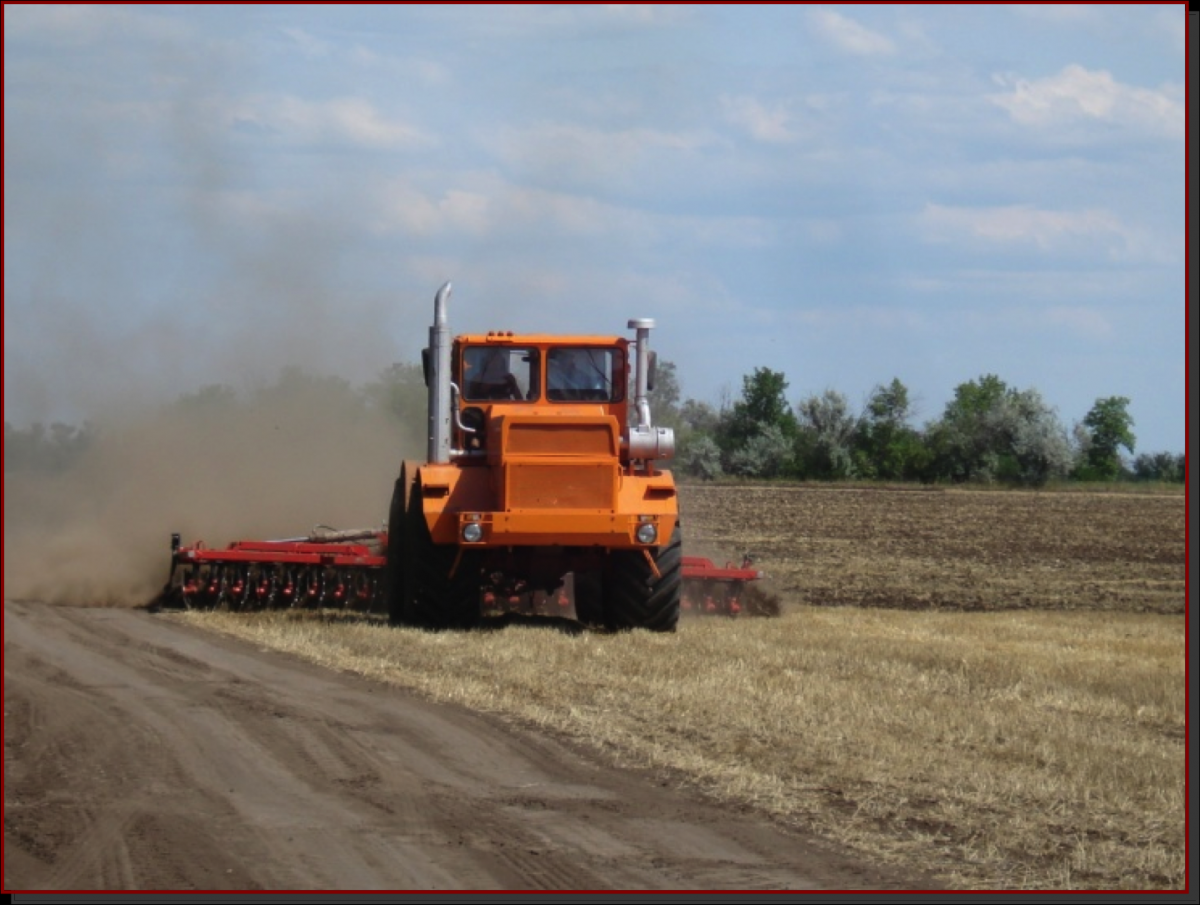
(1006, 750)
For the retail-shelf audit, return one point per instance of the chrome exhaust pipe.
(645, 440)
(438, 450)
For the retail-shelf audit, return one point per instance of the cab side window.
(582, 374)
(500, 373)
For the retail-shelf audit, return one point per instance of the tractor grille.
(558, 438)
(537, 485)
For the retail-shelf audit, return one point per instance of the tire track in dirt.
(104, 790)
(144, 754)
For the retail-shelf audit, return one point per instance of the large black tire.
(441, 587)
(397, 549)
(635, 598)
(589, 598)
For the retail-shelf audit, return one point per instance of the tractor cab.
(500, 376)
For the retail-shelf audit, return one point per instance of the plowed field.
(950, 549)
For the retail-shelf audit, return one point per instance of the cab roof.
(508, 337)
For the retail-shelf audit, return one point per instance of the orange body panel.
(455, 496)
(540, 472)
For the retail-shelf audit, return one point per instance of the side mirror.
(651, 367)
(426, 363)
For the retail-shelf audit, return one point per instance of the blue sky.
(844, 193)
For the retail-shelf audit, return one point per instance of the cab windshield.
(500, 372)
(585, 374)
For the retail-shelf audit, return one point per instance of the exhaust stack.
(645, 440)
(438, 450)
(643, 326)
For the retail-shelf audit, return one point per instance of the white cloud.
(639, 13)
(1092, 232)
(1016, 224)
(485, 205)
(1023, 225)
(359, 121)
(565, 20)
(590, 155)
(398, 68)
(1078, 94)
(491, 207)
(309, 45)
(849, 35)
(409, 210)
(431, 72)
(349, 120)
(763, 123)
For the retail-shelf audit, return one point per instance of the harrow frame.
(345, 570)
(709, 589)
(336, 569)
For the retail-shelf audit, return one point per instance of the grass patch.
(1001, 750)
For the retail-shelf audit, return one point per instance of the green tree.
(694, 423)
(964, 442)
(1161, 466)
(765, 455)
(889, 404)
(991, 431)
(699, 456)
(763, 404)
(824, 447)
(699, 417)
(885, 444)
(1036, 445)
(665, 396)
(1109, 428)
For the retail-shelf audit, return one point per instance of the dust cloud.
(110, 316)
(295, 454)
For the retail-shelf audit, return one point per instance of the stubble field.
(957, 550)
(988, 686)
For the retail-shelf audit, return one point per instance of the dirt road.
(145, 755)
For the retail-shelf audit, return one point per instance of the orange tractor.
(540, 493)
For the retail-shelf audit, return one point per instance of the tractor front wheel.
(441, 582)
(636, 597)
(397, 548)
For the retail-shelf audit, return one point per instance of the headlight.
(646, 533)
(473, 533)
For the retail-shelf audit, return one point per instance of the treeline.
(325, 403)
(989, 432)
(40, 448)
